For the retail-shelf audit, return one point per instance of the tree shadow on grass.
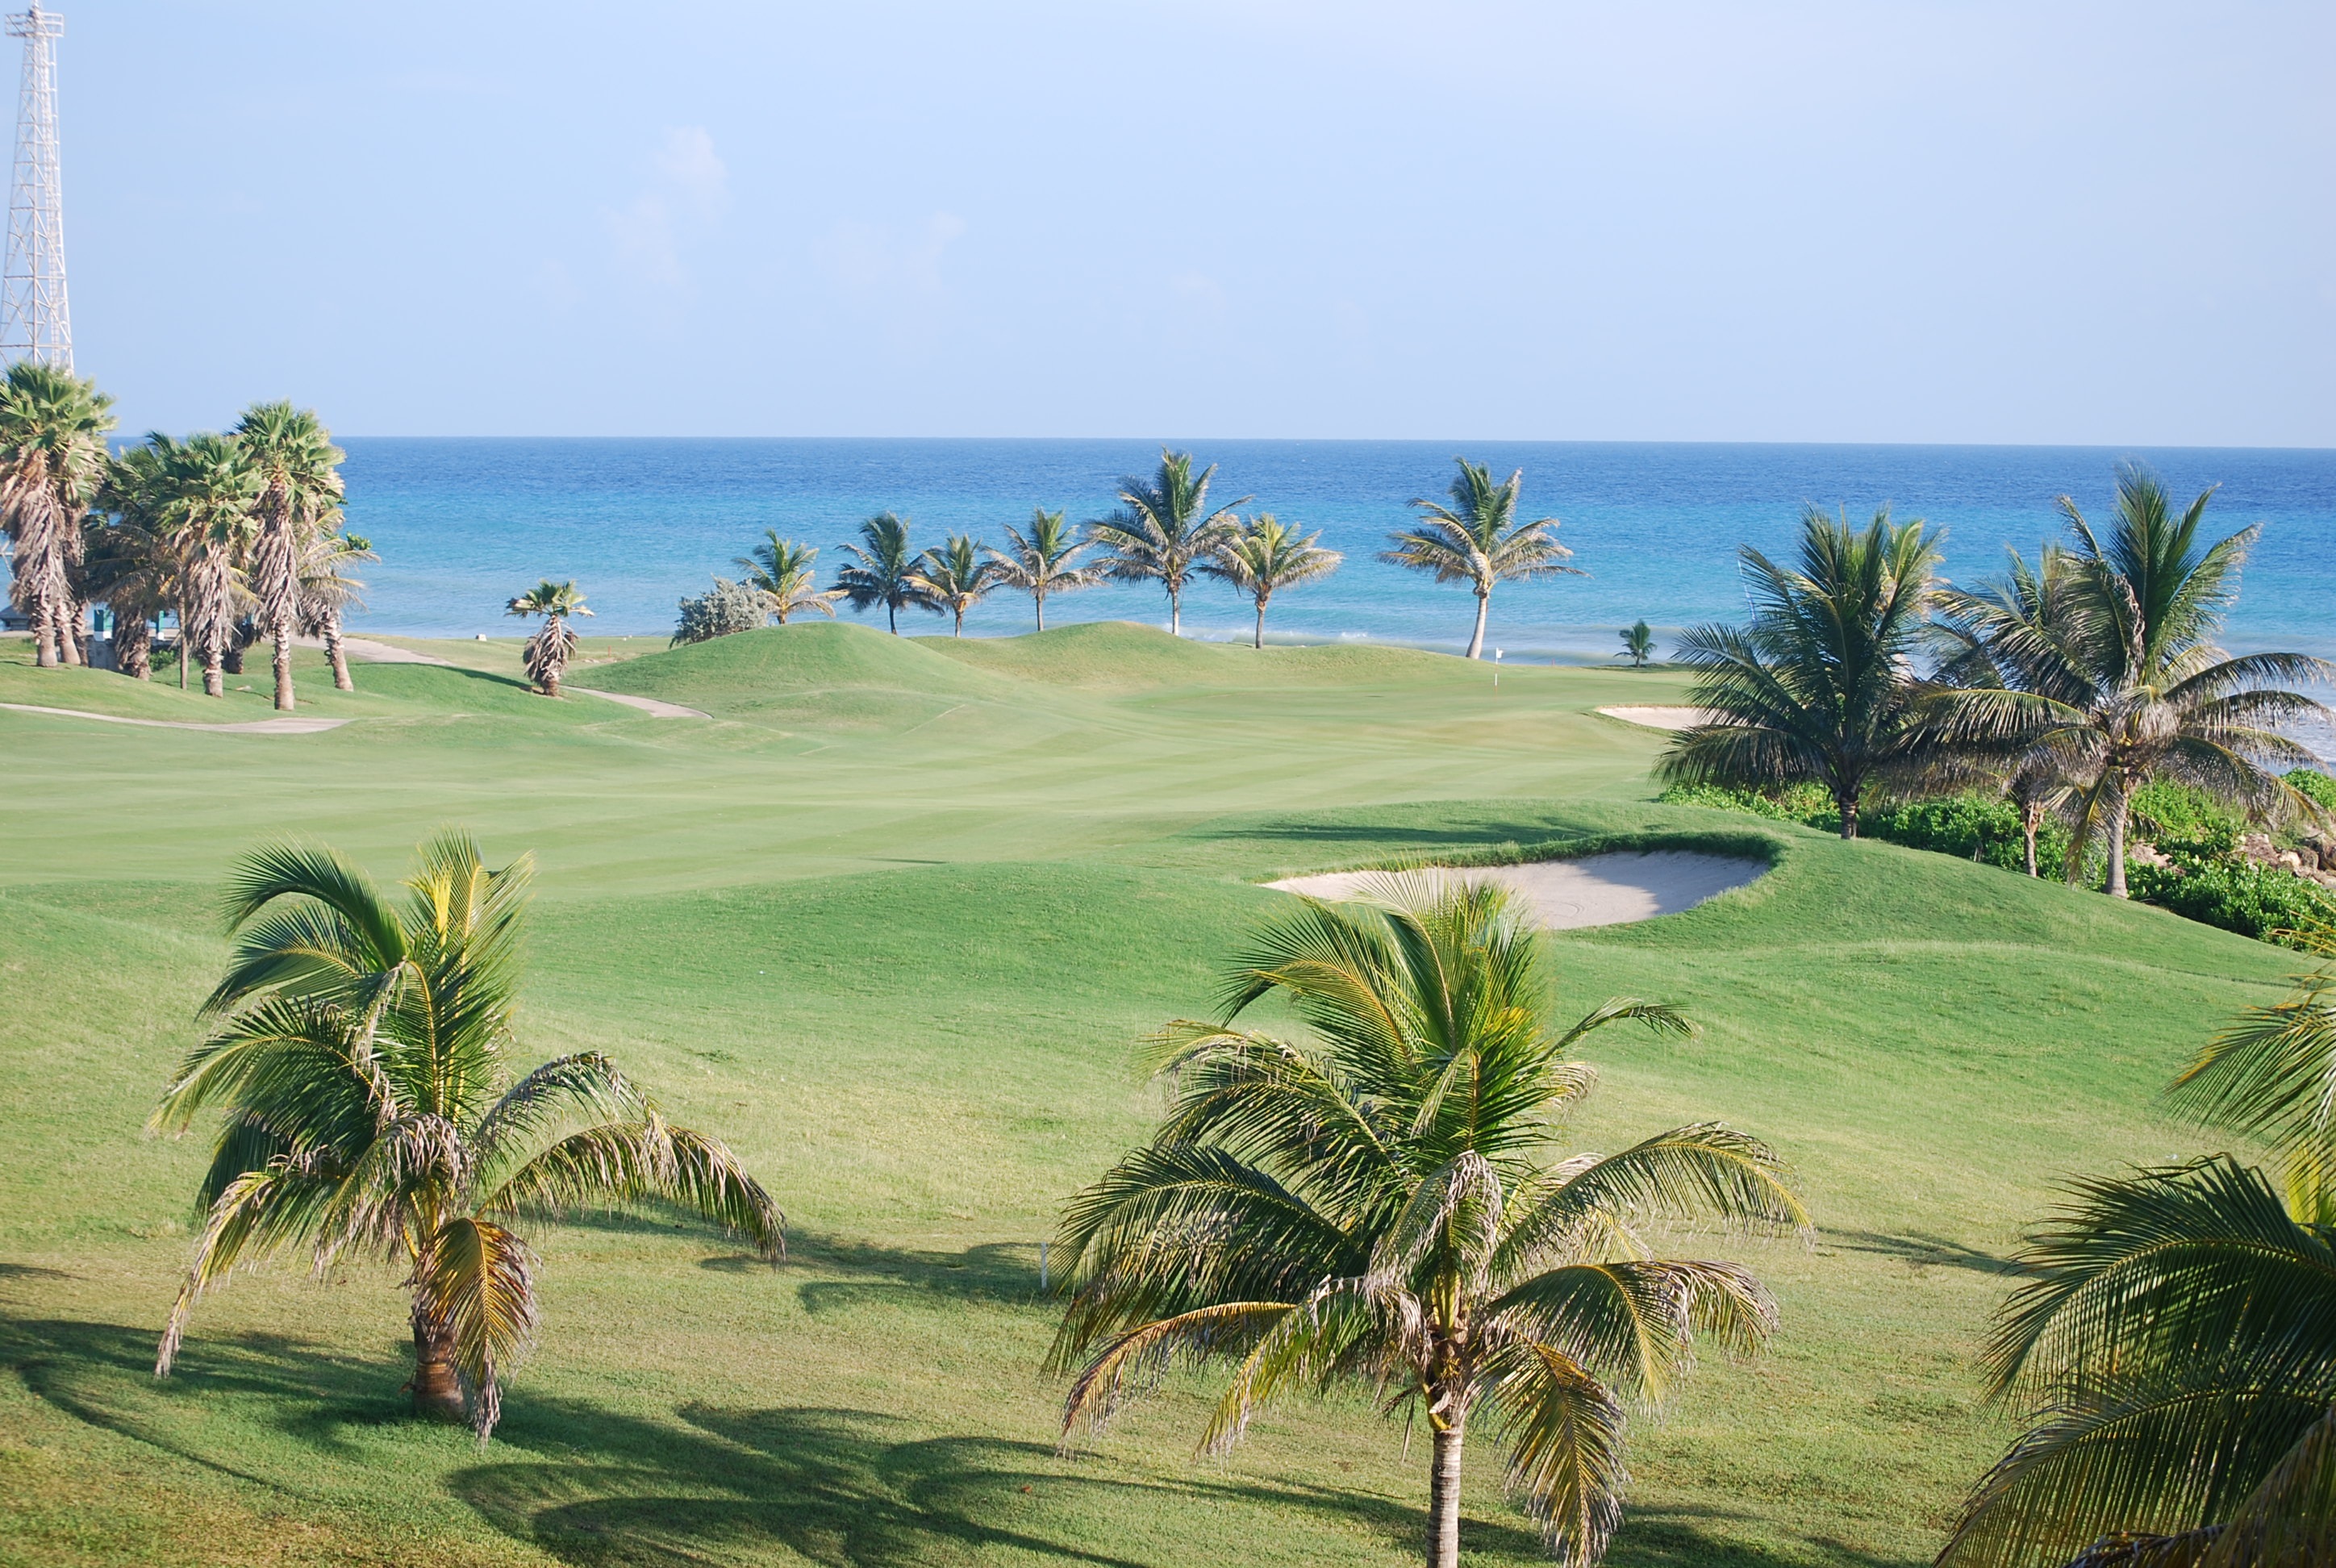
(1922, 1252)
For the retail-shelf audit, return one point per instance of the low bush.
(2185, 821)
(2314, 786)
(2253, 900)
(1976, 827)
(724, 608)
(1805, 803)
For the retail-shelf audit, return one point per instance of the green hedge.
(2236, 895)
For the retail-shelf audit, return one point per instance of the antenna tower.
(34, 323)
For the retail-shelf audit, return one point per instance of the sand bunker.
(1597, 891)
(1663, 717)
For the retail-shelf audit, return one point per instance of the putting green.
(888, 922)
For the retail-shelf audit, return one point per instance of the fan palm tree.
(2133, 688)
(53, 458)
(1043, 561)
(299, 484)
(328, 590)
(1164, 528)
(1376, 1204)
(363, 1063)
(1820, 687)
(956, 578)
(208, 490)
(780, 572)
(1638, 645)
(2179, 1334)
(547, 653)
(125, 568)
(885, 570)
(1478, 540)
(1261, 556)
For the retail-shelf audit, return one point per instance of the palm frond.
(478, 1280)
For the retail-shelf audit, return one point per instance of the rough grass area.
(894, 942)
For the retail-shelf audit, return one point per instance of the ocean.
(462, 524)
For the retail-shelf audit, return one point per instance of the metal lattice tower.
(34, 323)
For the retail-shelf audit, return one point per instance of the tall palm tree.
(1261, 557)
(328, 590)
(299, 484)
(780, 572)
(885, 570)
(1638, 643)
(1378, 1203)
(52, 457)
(956, 578)
(363, 1062)
(547, 653)
(1820, 687)
(2136, 688)
(2178, 1332)
(1478, 540)
(208, 490)
(128, 569)
(1164, 528)
(1043, 561)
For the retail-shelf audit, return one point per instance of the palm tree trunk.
(1260, 643)
(180, 615)
(1175, 610)
(958, 629)
(2031, 818)
(70, 616)
(437, 1391)
(1039, 599)
(283, 662)
(2119, 810)
(44, 635)
(214, 677)
(1848, 808)
(1476, 638)
(1443, 1499)
(893, 617)
(338, 654)
(133, 647)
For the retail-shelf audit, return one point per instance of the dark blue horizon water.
(464, 524)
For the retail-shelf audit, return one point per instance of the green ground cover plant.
(892, 920)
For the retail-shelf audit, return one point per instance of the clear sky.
(2105, 223)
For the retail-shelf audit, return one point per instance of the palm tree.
(780, 570)
(125, 568)
(955, 578)
(208, 490)
(1819, 688)
(363, 1061)
(299, 484)
(1638, 645)
(2179, 1333)
(1377, 1204)
(328, 590)
(1261, 556)
(886, 572)
(1043, 561)
(1164, 528)
(2134, 688)
(547, 653)
(1478, 540)
(52, 457)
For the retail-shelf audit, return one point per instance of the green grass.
(890, 923)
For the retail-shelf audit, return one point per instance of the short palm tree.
(299, 485)
(1478, 540)
(1261, 557)
(2133, 687)
(53, 459)
(363, 1063)
(1378, 1203)
(956, 576)
(1043, 561)
(328, 590)
(547, 653)
(1638, 643)
(884, 570)
(1820, 687)
(780, 570)
(2179, 1334)
(208, 490)
(1164, 528)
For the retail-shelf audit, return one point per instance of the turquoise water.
(463, 524)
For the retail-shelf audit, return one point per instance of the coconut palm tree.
(1043, 561)
(547, 653)
(207, 489)
(53, 458)
(1261, 556)
(299, 484)
(780, 570)
(956, 578)
(885, 570)
(1164, 528)
(1638, 645)
(363, 1060)
(1478, 540)
(1820, 687)
(328, 590)
(2133, 688)
(1379, 1202)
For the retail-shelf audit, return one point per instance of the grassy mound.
(753, 667)
(1118, 654)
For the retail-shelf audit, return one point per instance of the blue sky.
(1924, 222)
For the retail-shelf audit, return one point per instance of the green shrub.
(2236, 895)
(2314, 786)
(1974, 827)
(724, 610)
(2185, 821)
(1805, 803)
